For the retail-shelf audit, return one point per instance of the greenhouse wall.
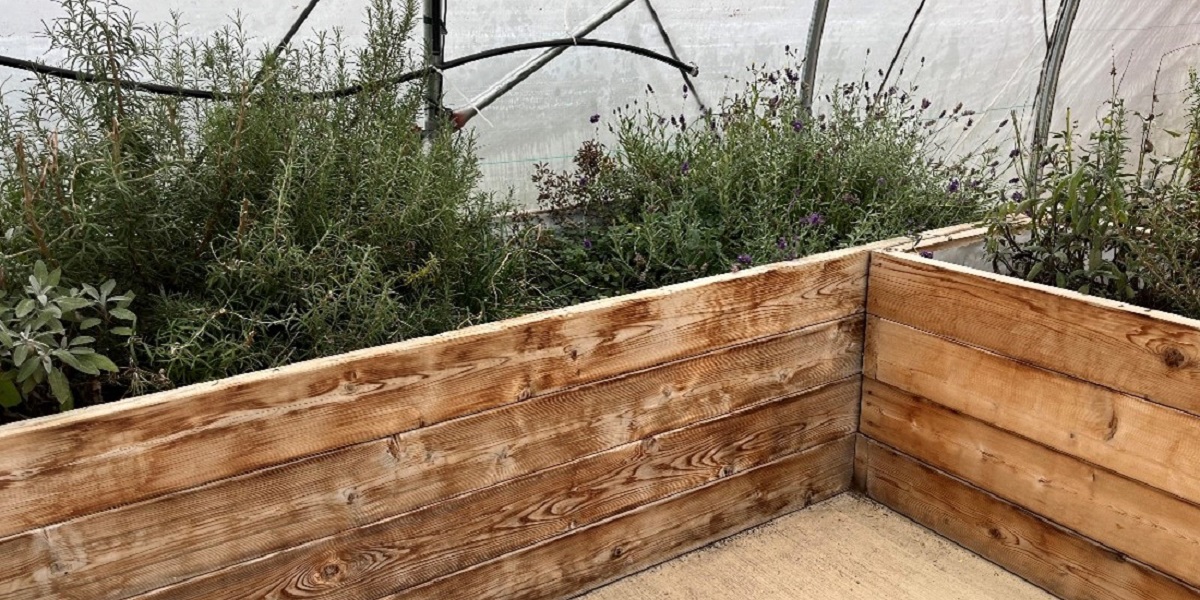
(986, 55)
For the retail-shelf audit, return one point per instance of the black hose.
(166, 90)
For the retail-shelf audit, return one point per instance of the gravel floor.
(847, 548)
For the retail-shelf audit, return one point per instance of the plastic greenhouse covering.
(987, 55)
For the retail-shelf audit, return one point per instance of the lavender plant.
(757, 180)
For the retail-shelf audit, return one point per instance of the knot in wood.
(331, 572)
(1174, 358)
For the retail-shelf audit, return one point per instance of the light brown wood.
(948, 238)
(197, 531)
(941, 239)
(26, 567)
(859, 481)
(590, 557)
(1133, 518)
(403, 552)
(1145, 353)
(1141, 440)
(61, 467)
(1051, 557)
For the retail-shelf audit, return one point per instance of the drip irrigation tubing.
(200, 94)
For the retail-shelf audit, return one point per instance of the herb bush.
(1108, 217)
(150, 242)
(757, 180)
(253, 231)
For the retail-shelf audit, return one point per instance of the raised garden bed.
(1054, 434)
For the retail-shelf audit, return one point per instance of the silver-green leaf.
(61, 388)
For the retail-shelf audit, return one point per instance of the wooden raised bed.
(1055, 434)
(547, 455)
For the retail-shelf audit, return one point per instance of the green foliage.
(758, 180)
(261, 229)
(1080, 223)
(47, 336)
(1109, 217)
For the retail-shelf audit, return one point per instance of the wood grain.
(185, 534)
(403, 552)
(941, 239)
(26, 567)
(84, 461)
(1141, 352)
(1130, 517)
(1142, 440)
(590, 557)
(1057, 560)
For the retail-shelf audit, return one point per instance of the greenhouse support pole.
(435, 37)
(531, 66)
(1043, 105)
(812, 52)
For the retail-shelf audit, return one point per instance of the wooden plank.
(1057, 560)
(26, 567)
(949, 238)
(170, 538)
(942, 239)
(56, 468)
(861, 451)
(403, 552)
(1145, 353)
(1142, 440)
(591, 557)
(1145, 523)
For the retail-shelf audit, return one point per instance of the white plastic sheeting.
(1135, 38)
(987, 55)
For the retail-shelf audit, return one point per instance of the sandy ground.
(847, 548)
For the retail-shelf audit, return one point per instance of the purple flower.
(925, 103)
(797, 125)
(745, 259)
(583, 181)
(685, 167)
(781, 244)
(595, 119)
(772, 78)
(926, 254)
(1018, 196)
(953, 187)
(792, 75)
(587, 244)
(1015, 153)
(815, 219)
